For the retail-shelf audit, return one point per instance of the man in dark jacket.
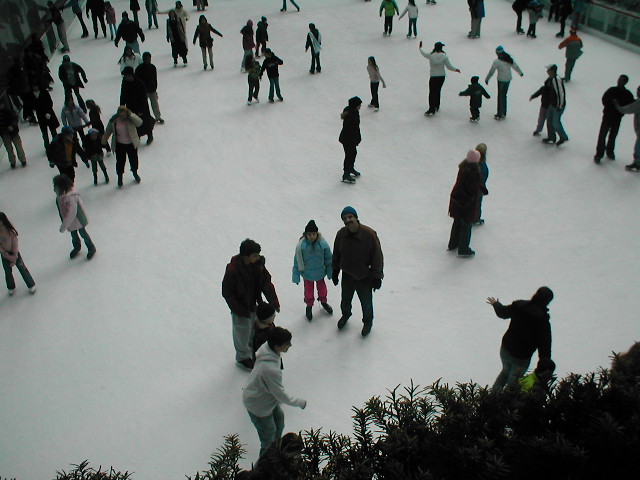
(350, 138)
(611, 118)
(72, 75)
(129, 32)
(47, 118)
(96, 7)
(543, 93)
(10, 134)
(557, 104)
(529, 330)
(148, 73)
(133, 95)
(357, 252)
(245, 280)
(519, 6)
(270, 64)
(65, 158)
(314, 42)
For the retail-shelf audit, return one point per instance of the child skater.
(110, 13)
(484, 175)
(412, 10)
(11, 256)
(262, 325)
(96, 121)
(541, 376)
(93, 150)
(374, 78)
(73, 216)
(475, 92)
(312, 261)
(252, 67)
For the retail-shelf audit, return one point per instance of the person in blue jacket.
(312, 261)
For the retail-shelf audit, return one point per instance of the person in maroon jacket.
(464, 202)
(245, 280)
(529, 330)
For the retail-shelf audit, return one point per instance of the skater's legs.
(322, 290)
(308, 292)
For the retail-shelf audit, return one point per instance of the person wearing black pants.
(438, 61)
(96, 7)
(350, 138)
(47, 119)
(125, 141)
(519, 6)
(390, 7)
(565, 8)
(611, 118)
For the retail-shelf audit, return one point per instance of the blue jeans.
(512, 369)
(22, 268)
(242, 331)
(365, 293)
(503, 87)
(554, 124)
(274, 83)
(75, 239)
(269, 428)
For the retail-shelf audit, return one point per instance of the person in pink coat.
(73, 215)
(11, 256)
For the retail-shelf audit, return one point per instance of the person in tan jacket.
(125, 141)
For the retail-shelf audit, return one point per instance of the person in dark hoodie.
(133, 95)
(148, 73)
(611, 118)
(129, 31)
(350, 138)
(475, 92)
(529, 330)
(72, 75)
(93, 150)
(314, 41)
(245, 280)
(62, 153)
(519, 6)
(270, 64)
(262, 36)
(247, 42)
(47, 118)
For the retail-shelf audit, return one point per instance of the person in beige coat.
(125, 141)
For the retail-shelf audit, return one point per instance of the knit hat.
(355, 101)
(311, 227)
(66, 131)
(347, 210)
(543, 296)
(499, 49)
(475, 79)
(482, 148)
(553, 67)
(92, 130)
(264, 311)
(473, 156)
(66, 58)
(264, 19)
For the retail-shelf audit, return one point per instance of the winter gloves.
(376, 284)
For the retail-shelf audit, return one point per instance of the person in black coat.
(350, 138)
(133, 95)
(565, 8)
(72, 75)
(262, 36)
(529, 330)
(62, 158)
(464, 202)
(96, 7)
(475, 92)
(519, 6)
(270, 64)
(47, 119)
(148, 73)
(611, 118)
(129, 31)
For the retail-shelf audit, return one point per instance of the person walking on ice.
(390, 8)
(11, 256)
(314, 41)
(503, 64)
(412, 10)
(438, 61)
(73, 215)
(350, 138)
(374, 82)
(312, 261)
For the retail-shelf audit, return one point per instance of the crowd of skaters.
(257, 341)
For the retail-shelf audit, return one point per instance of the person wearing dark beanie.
(357, 252)
(350, 138)
(312, 262)
(529, 330)
(246, 280)
(262, 325)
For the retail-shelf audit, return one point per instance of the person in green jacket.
(390, 8)
(573, 46)
(542, 375)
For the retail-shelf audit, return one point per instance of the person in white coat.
(438, 61)
(73, 215)
(412, 10)
(503, 64)
(264, 391)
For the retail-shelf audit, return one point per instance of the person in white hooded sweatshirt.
(264, 391)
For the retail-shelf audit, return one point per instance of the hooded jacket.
(312, 260)
(529, 329)
(264, 390)
(243, 286)
(466, 193)
(72, 211)
(350, 133)
(247, 36)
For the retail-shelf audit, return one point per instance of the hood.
(265, 354)
(249, 23)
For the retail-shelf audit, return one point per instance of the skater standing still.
(611, 118)
(73, 215)
(534, 9)
(177, 37)
(97, 9)
(635, 109)
(247, 42)
(252, 68)
(77, 10)
(110, 14)
(557, 104)
(374, 82)
(245, 280)
(11, 256)
(148, 73)
(284, 5)
(96, 120)
(123, 126)
(134, 6)
(412, 10)
(476, 8)
(573, 46)
(203, 35)
(264, 392)
(438, 61)
(314, 41)
(390, 8)
(503, 64)
(72, 75)
(271, 64)
(93, 150)
(350, 138)
(475, 92)
(62, 153)
(10, 134)
(312, 261)
(565, 9)
(519, 6)
(484, 176)
(463, 203)
(358, 254)
(262, 36)
(529, 330)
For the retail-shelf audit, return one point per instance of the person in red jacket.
(245, 280)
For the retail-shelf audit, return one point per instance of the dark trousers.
(475, 112)
(68, 90)
(388, 24)
(315, 62)
(95, 18)
(45, 134)
(262, 43)
(609, 126)
(85, 32)
(75, 239)
(22, 268)
(563, 20)
(532, 29)
(350, 152)
(460, 236)
(122, 151)
(435, 87)
(254, 88)
(374, 94)
(69, 171)
(519, 21)
(364, 290)
(503, 88)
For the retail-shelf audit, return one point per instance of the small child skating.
(475, 91)
(484, 175)
(95, 120)
(312, 261)
(262, 325)
(542, 375)
(534, 9)
(11, 256)
(93, 150)
(374, 78)
(73, 215)
(412, 10)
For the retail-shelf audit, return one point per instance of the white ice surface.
(127, 360)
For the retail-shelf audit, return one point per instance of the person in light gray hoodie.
(503, 64)
(264, 391)
(635, 109)
(438, 61)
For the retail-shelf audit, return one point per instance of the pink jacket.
(9, 247)
(72, 211)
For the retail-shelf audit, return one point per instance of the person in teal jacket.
(390, 8)
(312, 261)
